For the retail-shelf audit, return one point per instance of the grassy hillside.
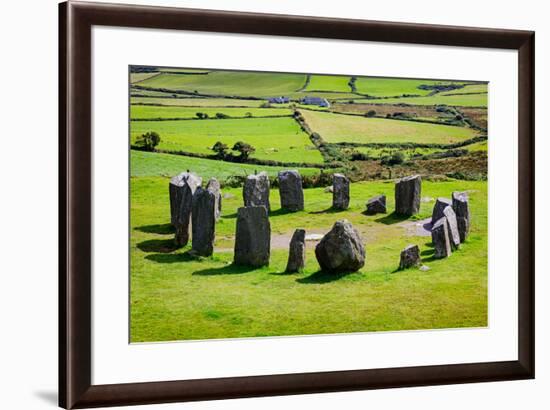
(146, 111)
(146, 164)
(237, 83)
(329, 83)
(278, 139)
(461, 100)
(347, 128)
(390, 87)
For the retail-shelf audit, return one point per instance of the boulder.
(341, 249)
(440, 205)
(376, 205)
(256, 190)
(407, 195)
(462, 211)
(440, 238)
(340, 191)
(297, 252)
(215, 187)
(410, 256)
(454, 236)
(253, 237)
(204, 221)
(290, 191)
(181, 190)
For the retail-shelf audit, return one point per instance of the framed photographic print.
(257, 204)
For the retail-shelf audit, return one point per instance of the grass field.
(335, 128)
(137, 77)
(390, 87)
(234, 83)
(461, 100)
(329, 83)
(146, 164)
(175, 297)
(474, 88)
(197, 102)
(278, 139)
(148, 111)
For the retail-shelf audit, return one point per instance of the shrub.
(394, 159)
(244, 149)
(371, 113)
(202, 115)
(148, 141)
(248, 114)
(221, 115)
(220, 149)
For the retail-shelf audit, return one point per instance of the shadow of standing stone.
(253, 237)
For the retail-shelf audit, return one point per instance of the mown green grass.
(197, 102)
(137, 77)
(278, 139)
(348, 128)
(157, 164)
(461, 100)
(175, 297)
(390, 87)
(234, 83)
(335, 83)
(149, 111)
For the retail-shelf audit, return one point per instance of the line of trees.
(243, 148)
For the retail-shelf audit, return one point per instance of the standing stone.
(462, 211)
(440, 238)
(410, 256)
(253, 237)
(290, 191)
(214, 187)
(204, 221)
(181, 189)
(376, 205)
(256, 190)
(440, 205)
(297, 252)
(341, 249)
(340, 191)
(452, 226)
(407, 195)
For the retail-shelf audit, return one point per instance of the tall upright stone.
(462, 211)
(181, 190)
(454, 236)
(297, 252)
(256, 190)
(203, 216)
(341, 249)
(215, 187)
(440, 238)
(439, 207)
(291, 191)
(253, 237)
(340, 191)
(407, 195)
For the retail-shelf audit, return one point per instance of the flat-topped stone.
(256, 190)
(408, 192)
(290, 190)
(252, 237)
(181, 190)
(204, 221)
(340, 191)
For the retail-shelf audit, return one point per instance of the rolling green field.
(148, 111)
(334, 83)
(474, 88)
(147, 164)
(393, 87)
(278, 139)
(197, 102)
(335, 128)
(176, 297)
(235, 83)
(137, 77)
(461, 100)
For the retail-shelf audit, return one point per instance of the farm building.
(279, 100)
(321, 102)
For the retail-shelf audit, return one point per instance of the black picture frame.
(75, 194)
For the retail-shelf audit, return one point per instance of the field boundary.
(210, 118)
